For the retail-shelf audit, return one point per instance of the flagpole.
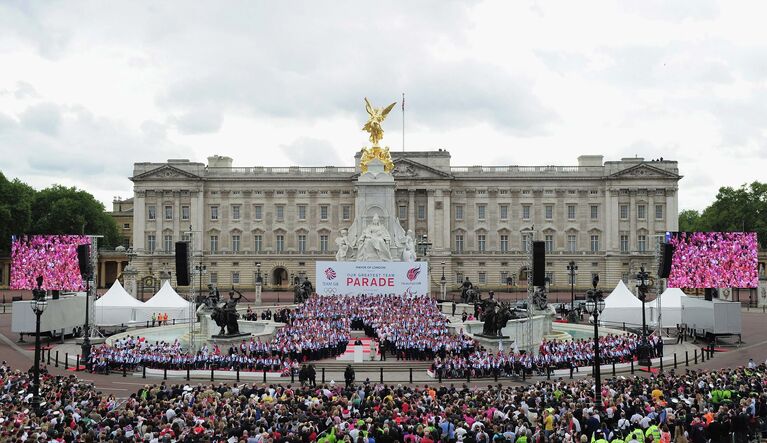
(403, 122)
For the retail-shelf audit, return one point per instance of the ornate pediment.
(643, 171)
(405, 168)
(165, 172)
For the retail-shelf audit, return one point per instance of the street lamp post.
(38, 307)
(643, 350)
(443, 283)
(571, 268)
(595, 305)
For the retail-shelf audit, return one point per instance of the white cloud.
(87, 89)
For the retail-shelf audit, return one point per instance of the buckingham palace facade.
(606, 216)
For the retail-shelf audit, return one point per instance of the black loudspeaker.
(84, 260)
(710, 293)
(667, 253)
(539, 263)
(182, 263)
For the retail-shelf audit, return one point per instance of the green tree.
(15, 210)
(689, 220)
(62, 210)
(734, 209)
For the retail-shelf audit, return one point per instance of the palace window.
(214, 212)
(168, 212)
(235, 278)
(324, 243)
(595, 212)
(504, 212)
(301, 243)
(279, 212)
(258, 241)
(595, 243)
(571, 212)
(624, 212)
(150, 242)
(323, 212)
(504, 243)
(279, 244)
(572, 242)
(525, 212)
(459, 243)
(482, 278)
(151, 212)
(549, 240)
(658, 212)
(213, 243)
(525, 242)
(642, 243)
(481, 242)
(236, 243)
(185, 212)
(235, 212)
(346, 210)
(641, 212)
(624, 243)
(402, 212)
(481, 212)
(168, 243)
(549, 209)
(258, 212)
(421, 212)
(302, 212)
(459, 212)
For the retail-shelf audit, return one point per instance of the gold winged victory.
(373, 127)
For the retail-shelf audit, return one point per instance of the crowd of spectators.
(551, 355)
(695, 406)
(406, 327)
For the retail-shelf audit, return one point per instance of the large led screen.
(713, 260)
(54, 257)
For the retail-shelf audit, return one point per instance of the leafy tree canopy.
(741, 209)
(54, 210)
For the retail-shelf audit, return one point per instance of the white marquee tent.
(166, 301)
(116, 306)
(669, 306)
(621, 306)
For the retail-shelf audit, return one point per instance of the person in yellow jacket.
(654, 432)
(636, 434)
(617, 440)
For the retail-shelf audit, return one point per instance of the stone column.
(129, 278)
(411, 210)
(761, 297)
(672, 213)
(102, 275)
(633, 220)
(139, 220)
(430, 215)
(446, 228)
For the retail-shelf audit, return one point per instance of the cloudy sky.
(89, 88)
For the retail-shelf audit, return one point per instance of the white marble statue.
(373, 242)
(343, 245)
(408, 252)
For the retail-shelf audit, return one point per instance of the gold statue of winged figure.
(373, 125)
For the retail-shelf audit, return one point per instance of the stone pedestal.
(130, 275)
(164, 277)
(761, 298)
(258, 294)
(375, 197)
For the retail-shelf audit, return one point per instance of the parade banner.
(372, 278)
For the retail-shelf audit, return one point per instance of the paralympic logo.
(412, 273)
